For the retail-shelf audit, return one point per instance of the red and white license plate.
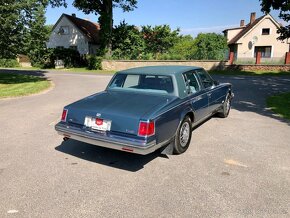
(98, 124)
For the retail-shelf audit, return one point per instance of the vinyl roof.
(166, 70)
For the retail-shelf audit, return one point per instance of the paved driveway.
(234, 167)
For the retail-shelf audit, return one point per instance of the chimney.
(73, 15)
(253, 17)
(242, 24)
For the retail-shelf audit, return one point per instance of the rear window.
(148, 83)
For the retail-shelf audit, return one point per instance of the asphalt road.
(234, 167)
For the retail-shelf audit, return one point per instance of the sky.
(191, 16)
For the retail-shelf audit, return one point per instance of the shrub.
(94, 62)
(9, 63)
(70, 57)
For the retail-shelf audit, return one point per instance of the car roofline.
(159, 70)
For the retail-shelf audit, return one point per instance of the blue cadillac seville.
(147, 108)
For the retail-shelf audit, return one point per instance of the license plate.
(98, 124)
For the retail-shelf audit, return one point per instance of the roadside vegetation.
(13, 85)
(280, 104)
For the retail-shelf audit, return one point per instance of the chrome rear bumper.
(112, 141)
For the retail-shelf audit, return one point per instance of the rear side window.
(206, 80)
(149, 83)
(131, 81)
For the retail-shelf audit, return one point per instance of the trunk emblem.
(98, 114)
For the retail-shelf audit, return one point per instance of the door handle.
(209, 94)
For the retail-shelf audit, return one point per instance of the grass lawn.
(280, 104)
(12, 85)
(249, 73)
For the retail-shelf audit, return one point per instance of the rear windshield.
(148, 83)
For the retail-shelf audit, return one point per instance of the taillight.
(64, 115)
(146, 128)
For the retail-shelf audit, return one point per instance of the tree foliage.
(12, 26)
(22, 27)
(209, 46)
(284, 7)
(184, 48)
(127, 42)
(159, 39)
(37, 35)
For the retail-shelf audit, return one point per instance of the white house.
(260, 35)
(72, 32)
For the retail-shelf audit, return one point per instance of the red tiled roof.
(245, 30)
(90, 29)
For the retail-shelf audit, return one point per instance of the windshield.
(139, 82)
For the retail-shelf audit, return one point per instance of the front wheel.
(183, 136)
(226, 107)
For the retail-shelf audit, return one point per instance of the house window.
(63, 30)
(265, 51)
(266, 31)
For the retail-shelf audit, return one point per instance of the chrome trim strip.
(118, 144)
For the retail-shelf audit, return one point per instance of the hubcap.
(184, 134)
(227, 105)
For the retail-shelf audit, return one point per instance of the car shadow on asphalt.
(251, 92)
(105, 156)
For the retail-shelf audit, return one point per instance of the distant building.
(72, 32)
(260, 35)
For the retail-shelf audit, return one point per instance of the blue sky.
(191, 16)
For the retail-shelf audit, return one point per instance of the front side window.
(206, 80)
(265, 51)
(191, 82)
(148, 83)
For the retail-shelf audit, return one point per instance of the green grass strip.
(13, 85)
(280, 104)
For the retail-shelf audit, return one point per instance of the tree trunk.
(106, 24)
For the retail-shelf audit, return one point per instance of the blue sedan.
(147, 108)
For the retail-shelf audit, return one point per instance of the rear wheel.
(183, 136)
(225, 110)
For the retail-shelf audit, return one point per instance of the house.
(257, 37)
(72, 32)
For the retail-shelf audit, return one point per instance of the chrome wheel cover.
(227, 105)
(184, 134)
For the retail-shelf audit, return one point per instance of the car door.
(214, 96)
(196, 95)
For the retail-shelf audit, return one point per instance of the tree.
(210, 46)
(37, 34)
(127, 42)
(12, 26)
(21, 26)
(159, 39)
(183, 48)
(284, 7)
(103, 8)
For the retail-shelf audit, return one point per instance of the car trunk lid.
(124, 109)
